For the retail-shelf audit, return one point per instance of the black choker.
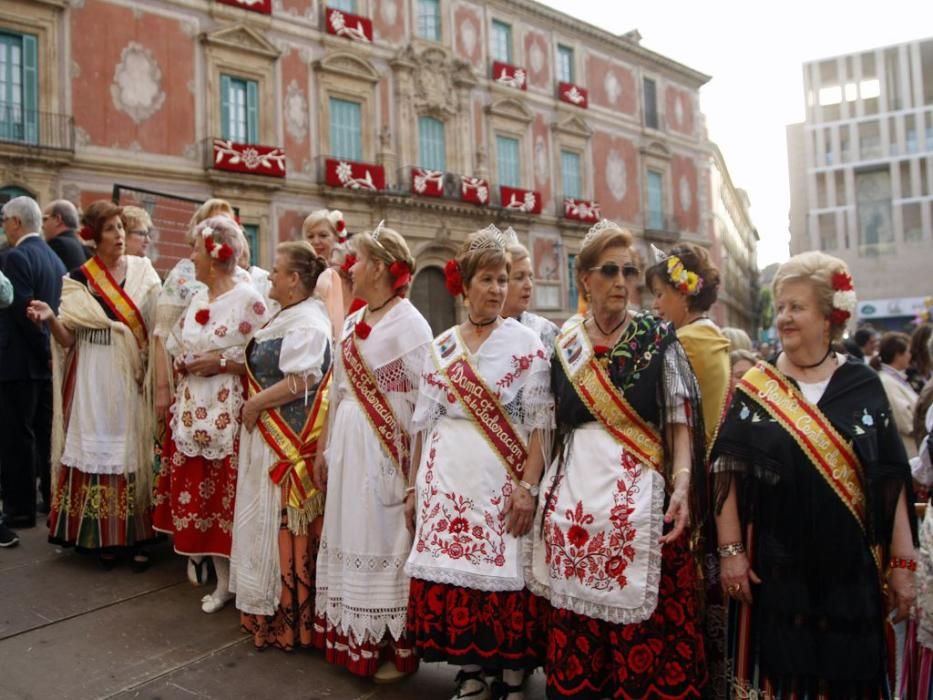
(381, 306)
(829, 352)
(615, 328)
(482, 324)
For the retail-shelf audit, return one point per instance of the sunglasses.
(610, 270)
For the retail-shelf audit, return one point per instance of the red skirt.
(662, 657)
(465, 626)
(97, 512)
(194, 500)
(363, 658)
(292, 625)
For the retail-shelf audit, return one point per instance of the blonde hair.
(322, 216)
(818, 269)
(517, 252)
(211, 208)
(738, 339)
(737, 356)
(135, 215)
(389, 248)
(610, 237)
(224, 230)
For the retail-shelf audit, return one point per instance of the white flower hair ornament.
(335, 217)
(219, 252)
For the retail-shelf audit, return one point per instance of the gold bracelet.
(730, 550)
(683, 470)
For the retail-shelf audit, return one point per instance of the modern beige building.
(861, 174)
(438, 116)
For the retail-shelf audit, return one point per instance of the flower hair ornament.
(401, 276)
(335, 217)
(682, 279)
(844, 299)
(349, 261)
(86, 233)
(596, 228)
(453, 280)
(219, 252)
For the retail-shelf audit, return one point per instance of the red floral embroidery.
(434, 379)
(202, 438)
(223, 394)
(259, 308)
(597, 560)
(200, 413)
(222, 421)
(520, 365)
(245, 327)
(203, 316)
(187, 419)
(445, 530)
(220, 331)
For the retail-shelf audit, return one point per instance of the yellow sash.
(117, 300)
(597, 392)
(480, 403)
(827, 450)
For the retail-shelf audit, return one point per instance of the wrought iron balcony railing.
(36, 129)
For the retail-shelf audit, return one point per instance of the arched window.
(429, 295)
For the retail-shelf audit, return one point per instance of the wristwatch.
(533, 489)
(223, 364)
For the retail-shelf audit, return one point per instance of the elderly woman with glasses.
(612, 535)
(138, 227)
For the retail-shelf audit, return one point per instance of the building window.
(18, 88)
(570, 173)
(565, 64)
(345, 129)
(343, 5)
(572, 301)
(432, 150)
(251, 232)
(875, 227)
(651, 103)
(501, 42)
(655, 201)
(239, 109)
(507, 161)
(428, 25)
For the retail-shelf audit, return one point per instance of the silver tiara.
(509, 237)
(659, 255)
(489, 238)
(601, 225)
(378, 230)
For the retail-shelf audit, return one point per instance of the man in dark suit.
(25, 374)
(59, 223)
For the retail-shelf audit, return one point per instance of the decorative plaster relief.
(82, 138)
(616, 175)
(296, 112)
(468, 35)
(683, 187)
(541, 166)
(536, 56)
(388, 10)
(612, 86)
(679, 110)
(137, 83)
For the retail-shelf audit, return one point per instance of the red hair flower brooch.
(86, 233)
(844, 299)
(203, 316)
(452, 278)
(401, 275)
(348, 262)
(218, 252)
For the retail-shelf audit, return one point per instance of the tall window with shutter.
(570, 174)
(507, 161)
(501, 42)
(239, 109)
(345, 129)
(19, 95)
(432, 150)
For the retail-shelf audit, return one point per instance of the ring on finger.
(734, 588)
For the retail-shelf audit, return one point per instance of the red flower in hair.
(348, 262)
(401, 274)
(362, 330)
(842, 282)
(452, 278)
(203, 316)
(838, 317)
(87, 233)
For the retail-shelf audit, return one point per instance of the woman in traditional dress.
(196, 488)
(484, 417)
(812, 494)
(362, 589)
(613, 530)
(891, 362)
(102, 429)
(277, 524)
(518, 299)
(324, 230)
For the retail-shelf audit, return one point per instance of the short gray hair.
(224, 230)
(27, 211)
(66, 211)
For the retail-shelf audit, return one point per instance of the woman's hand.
(678, 510)
(903, 592)
(163, 400)
(410, 512)
(521, 511)
(39, 311)
(251, 413)
(319, 471)
(736, 577)
(204, 365)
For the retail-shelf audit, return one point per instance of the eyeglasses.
(141, 232)
(610, 270)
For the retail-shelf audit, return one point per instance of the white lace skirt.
(361, 584)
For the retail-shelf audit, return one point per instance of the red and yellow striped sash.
(116, 299)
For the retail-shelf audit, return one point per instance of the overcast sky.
(754, 52)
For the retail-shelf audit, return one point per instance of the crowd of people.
(636, 502)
